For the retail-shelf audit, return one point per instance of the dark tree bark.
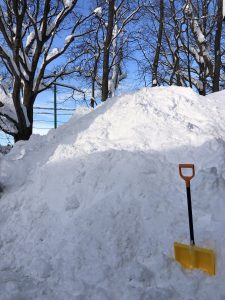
(107, 43)
(217, 50)
(188, 56)
(159, 44)
(176, 54)
(93, 80)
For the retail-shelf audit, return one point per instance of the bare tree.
(127, 14)
(191, 49)
(107, 48)
(88, 54)
(28, 30)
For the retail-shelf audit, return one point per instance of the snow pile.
(91, 210)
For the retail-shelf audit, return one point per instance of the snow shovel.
(191, 256)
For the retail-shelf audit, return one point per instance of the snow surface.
(98, 11)
(6, 105)
(30, 38)
(91, 210)
(199, 33)
(68, 3)
(7, 108)
(54, 52)
(69, 38)
(223, 8)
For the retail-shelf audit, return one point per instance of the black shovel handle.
(188, 190)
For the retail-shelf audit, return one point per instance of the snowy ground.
(91, 210)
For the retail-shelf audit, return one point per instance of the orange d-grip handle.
(187, 178)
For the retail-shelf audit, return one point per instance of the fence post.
(55, 106)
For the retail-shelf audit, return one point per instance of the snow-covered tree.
(207, 33)
(30, 47)
(192, 42)
(107, 47)
(122, 15)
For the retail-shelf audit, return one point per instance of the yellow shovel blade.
(192, 257)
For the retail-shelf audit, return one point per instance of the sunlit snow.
(91, 210)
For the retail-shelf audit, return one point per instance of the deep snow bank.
(91, 210)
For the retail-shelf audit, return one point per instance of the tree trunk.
(105, 77)
(217, 50)
(93, 81)
(23, 134)
(176, 52)
(201, 42)
(25, 118)
(188, 55)
(113, 82)
(158, 48)
(202, 79)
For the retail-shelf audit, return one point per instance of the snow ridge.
(91, 210)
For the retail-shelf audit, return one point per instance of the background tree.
(108, 47)
(159, 44)
(192, 44)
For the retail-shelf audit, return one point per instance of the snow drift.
(91, 210)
